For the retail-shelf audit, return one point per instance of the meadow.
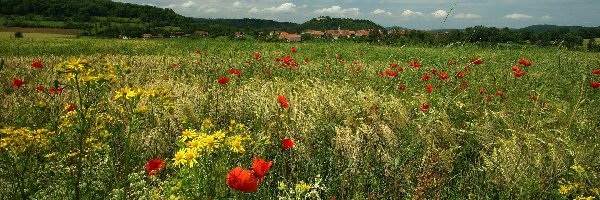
(174, 118)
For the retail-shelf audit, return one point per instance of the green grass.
(361, 134)
(9, 35)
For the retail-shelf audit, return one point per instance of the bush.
(18, 35)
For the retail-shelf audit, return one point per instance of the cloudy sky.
(414, 14)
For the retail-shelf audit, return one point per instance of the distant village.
(291, 37)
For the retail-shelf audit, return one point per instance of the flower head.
(429, 88)
(40, 88)
(525, 62)
(596, 71)
(17, 83)
(424, 107)
(256, 55)
(477, 61)
(594, 84)
(282, 101)
(37, 64)
(519, 74)
(235, 71)
(426, 77)
(415, 64)
(443, 76)
(242, 180)
(452, 62)
(261, 167)
(155, 165)
(287, 143)
(294, 50)
(223, 80)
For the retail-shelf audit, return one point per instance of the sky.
(413, 14)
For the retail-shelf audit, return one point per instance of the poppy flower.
(223, 80)
(40, 88)
(242, 180)
(424, 107)
(278, 59)
(70, 107)
(481, 90)
(534, 97)
(360, 53)
(393, 65)
(37, 64)
(516, 68)
(525, 62)
(489, 98)
(519, 74)
(327, 69)
(155, 165)
(268, 71)
(197, 62)
(175, 65)
(391, 73)
(402, 87)
(197, 51)
(235, 71)
(382, 75)
(477, 61)
(460, 74)
(452, 62)
(433, 71)
(429, 88)
(400, 69)
(594, 84)
(287, 59)
(306, 60)
(358, 68)
(500, 93)
(596, 71)
(17, 83)
(443, 76)
(338, 57)
(294, 50)
(415, 64)
(248, 62)
(287, 144)
(467, 68)
(56, 90)
(283, 101)
(256, 55)
(356, 62)
(261, 167)
(426, 77)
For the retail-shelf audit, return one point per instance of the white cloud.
(467, 16)
(188, 4)
(236, 4)
(381, 12)
(410, 13)
(546, 18)
(254, 10)
(518, 16)
(439, 14)
(337, 10)
(283, 8)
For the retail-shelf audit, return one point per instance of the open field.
(365, 123)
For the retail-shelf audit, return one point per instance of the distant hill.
(545, 28)
(328, 23)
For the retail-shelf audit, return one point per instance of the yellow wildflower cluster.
(302, 190)
(23, 139)
(128, 93)
(160, 96)
(206, 141)
(87, 73)
(565, 187)
(579, 186)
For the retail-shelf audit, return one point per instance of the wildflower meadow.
(85, 118)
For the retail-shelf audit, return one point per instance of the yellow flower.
(578, 168)
(141, 109)
(179, 158)
(302, 187)
(188, 134)
(206, 124)
(130, 94)
(235, 144)
(282, 186)
(190, 156)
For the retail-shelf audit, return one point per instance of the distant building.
(201, 33)
(290, 37)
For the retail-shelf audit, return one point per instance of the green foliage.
(18, 35)
(328, 23)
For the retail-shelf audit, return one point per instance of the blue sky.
(414, 14)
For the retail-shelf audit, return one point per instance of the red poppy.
(261, 167)
(338, 57)
(400, 69)
(519, 74)
(56, 90)
(283, 101)
(433, 71)
(477, 61)
(248, 62)
(223, 80)
(306, 60)
(197, 51)
(517, 68)
(287, 144)
(327, 69)
(481, 90)
(500, 93)
(594, 84)
(429, 88)
(460, 74)
(37, 64)
(382, 75)
(235, 71)
(287, 59)
(40, 88)
(452, 62)
(360, 53)
(242, 180)
(525, 62)
(268, 71)
(175, 65)
(393, 65)
(358, 68)
(443, 76)
(402, 87)
(534, 97)
(197, 62)
(467, 68)
(155, 165)
(489, 98)
(424, 107)
(278, 59)
(293, 49)
(17, 83)
(596, 71)
(415, 64)
(71, 108)
(256, 55)
(391, 73)
(426, 77)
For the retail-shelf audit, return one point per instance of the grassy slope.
(511, 147)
